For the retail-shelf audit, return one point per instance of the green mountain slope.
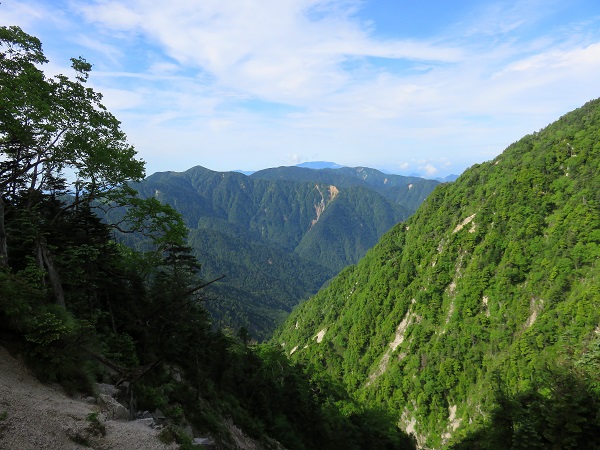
(350, 225)
(494, 279)
(263, 281)
(277, 241)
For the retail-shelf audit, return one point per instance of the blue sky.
(427, 87)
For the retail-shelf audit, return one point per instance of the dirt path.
(35, 416)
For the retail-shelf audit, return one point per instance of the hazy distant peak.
(447, 179)
(319, 165)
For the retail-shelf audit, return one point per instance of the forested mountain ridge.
(478, 319)
(406, 191)
(276, 240)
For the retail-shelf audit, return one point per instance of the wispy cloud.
(278, 53)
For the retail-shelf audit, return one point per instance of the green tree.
(57, 141)
(50, 127)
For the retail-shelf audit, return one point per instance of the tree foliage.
(49, 125)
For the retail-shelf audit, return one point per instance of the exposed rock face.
(113, 409)
(107, 389)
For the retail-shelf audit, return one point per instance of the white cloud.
(110, 52)
(26, 14)
(115, 14)
(429, 169)
(501, 18)
(164, 68)
(553, 60)
(295, 159)
(277, 53)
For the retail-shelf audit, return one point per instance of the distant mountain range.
(280, 233)
(319, 165)
(331, 165)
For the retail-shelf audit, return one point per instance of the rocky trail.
(37, 416)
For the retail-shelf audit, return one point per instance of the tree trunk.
(3, 238)
(55, 283)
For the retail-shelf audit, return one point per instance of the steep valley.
(280, 234)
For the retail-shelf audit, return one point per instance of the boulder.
(204, 443)
(114, 410)
(149, 422)
(107, 389)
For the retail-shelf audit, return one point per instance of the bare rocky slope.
(37, 416)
